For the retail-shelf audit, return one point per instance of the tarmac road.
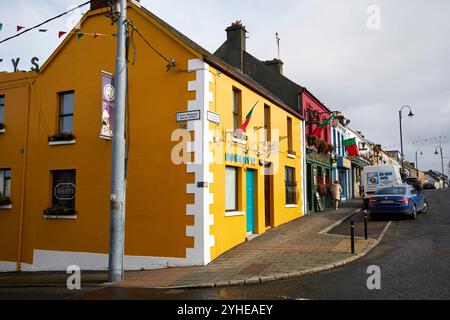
(414, 258)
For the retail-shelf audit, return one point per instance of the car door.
(415, 197)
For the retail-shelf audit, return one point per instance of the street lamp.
(417, 163)
(401, 133)
(442, 157)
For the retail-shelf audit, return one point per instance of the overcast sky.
(326, 46)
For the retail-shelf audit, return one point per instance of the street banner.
(108, 94)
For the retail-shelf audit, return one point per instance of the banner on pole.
(108, 95)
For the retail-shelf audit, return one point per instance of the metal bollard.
(352, 236)
(365, 225)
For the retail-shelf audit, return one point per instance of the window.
(2, 108)
(66, 112)
(236, 110)
(5, 186)
(63, 189)
(231, 188)
(289, 134)
(291, 186)
(267, 136)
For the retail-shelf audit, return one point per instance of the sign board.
(213, 117)
(188, 116)
(319, 202)
(65, 191)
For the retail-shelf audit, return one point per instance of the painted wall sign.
(231, 157)
(65, 191)
(15, 64)
(188, 116)
(213, 117)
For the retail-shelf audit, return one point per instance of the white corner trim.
(234, 213)
(50, 217)
(291, 206)
(6, 206)
(200, 209)
(60, 143)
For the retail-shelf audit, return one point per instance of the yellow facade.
(169, 220)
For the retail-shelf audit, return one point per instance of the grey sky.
(325, 45)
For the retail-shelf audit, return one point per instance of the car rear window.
(391, 190)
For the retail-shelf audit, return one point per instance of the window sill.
(60, 143)
(5, 206)
(234, 214)
(291, 206)
(2, 130)
(239, 141)
(291, 155)
(60, 217)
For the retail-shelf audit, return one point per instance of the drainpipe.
(304, 204)
(24, 180)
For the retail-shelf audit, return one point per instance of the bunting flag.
(42, 30)
(61, 33)
(19, 28)
(79, 35)
(1, 26)
(317, 131)
(351, 147)
(247, 119)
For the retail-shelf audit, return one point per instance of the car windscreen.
(391, 190)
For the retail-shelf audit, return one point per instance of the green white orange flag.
(351, 147)
(322, 125)
(247, 119)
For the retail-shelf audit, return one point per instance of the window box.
(59, 211)
(5, 206)
(61, 139)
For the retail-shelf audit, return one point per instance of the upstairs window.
(267, 136)
(289, 134)
(2, 109)
(5, 186)
(290, 186)
(236, 111)
(66, 100)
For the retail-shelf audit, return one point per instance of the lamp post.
(417, 163)
(401, 133)
(442, 157)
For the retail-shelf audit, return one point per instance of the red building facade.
(319, 150)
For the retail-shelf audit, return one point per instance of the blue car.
(398, 199)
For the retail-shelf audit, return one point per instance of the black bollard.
(352, 236)
(365, 225)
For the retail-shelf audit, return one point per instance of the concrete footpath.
(310, 244)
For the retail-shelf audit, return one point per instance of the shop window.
(290, 186)
(2, 111)
(63, 193)
(236, 111)
(231, 189)
(66, 100)
(5, 186)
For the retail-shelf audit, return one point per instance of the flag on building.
(247, 119)
(317, 131)
(351, 147)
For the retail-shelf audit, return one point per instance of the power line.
(46, 21)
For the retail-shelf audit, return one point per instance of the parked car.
(429, 185)
(415, 182)
(401, 199)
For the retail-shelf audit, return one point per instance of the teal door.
(250, 194)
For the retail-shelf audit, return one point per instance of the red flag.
(19, 28)
(61, 33)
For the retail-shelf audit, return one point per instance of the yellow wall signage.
(231, 157)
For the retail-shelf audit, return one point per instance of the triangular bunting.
(79, 35)
(42, 30)
(19, 28)
(1, 26)
(61, 33)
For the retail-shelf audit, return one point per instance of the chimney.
(236, 44)
(275, 64)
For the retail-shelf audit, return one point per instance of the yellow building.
(195, 189)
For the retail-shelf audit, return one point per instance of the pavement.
(313, 243)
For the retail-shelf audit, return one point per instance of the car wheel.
(425, 207)
(414, 212)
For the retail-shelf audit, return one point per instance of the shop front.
(318, 177)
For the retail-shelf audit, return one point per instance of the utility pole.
(118, 185)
